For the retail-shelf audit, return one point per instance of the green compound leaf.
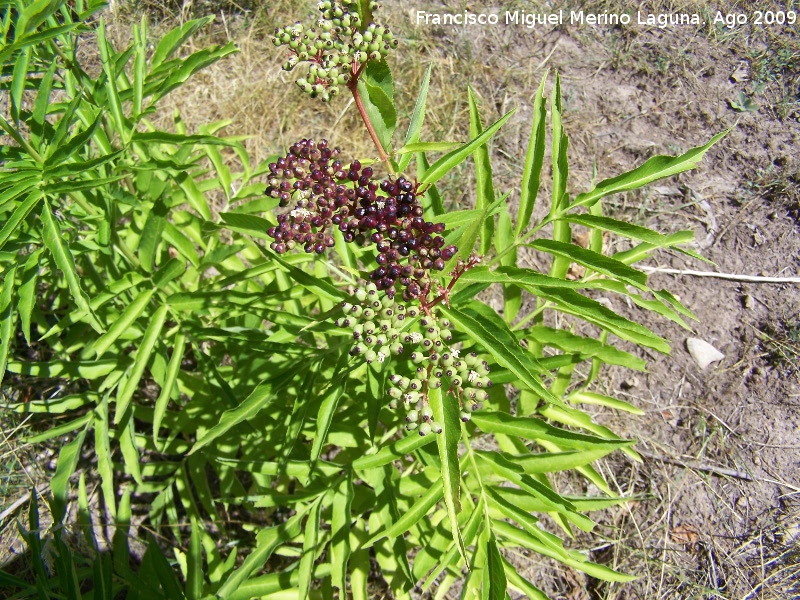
(507, 251)
(258, 399)
(551, 462)
(653, 169)
(577, 561)
(426, 147)
(534, 159)
(445, 412)
(527, 521)
(530, 428)
(341, 519)
(171, 42)
(523, 585)
(483, 325)
(7, 323)
(63, 258)
(483, 174)
(449, 161)
(267, 541)
(520, 276)
(321, 287)
(19, 215)
(593, 260)
(571, 343)
(495, 573)
(132, 312)
(417, 117)
(476, 519)
(554, 502)
(573, 303)
(310, 536)
(327, 410)
(387, 454)
(18, 81)
(67, 463)
(194, 562)
(143, 353)
(462, 217)
(152, 234)
(376, 89)
(583, 397)
(629, 230)
(412, 516)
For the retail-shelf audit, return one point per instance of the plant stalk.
(353, 86)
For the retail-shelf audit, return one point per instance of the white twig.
(731, 276)
(714, 470)
(20, 501)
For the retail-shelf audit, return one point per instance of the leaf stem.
(14, 134)
(353, 86)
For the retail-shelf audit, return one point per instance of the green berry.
(424, 429)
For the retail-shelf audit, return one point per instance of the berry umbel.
(324, 193)
(336, 50)
(383, 328)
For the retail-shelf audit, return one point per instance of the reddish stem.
(353, 86)
(445, 295)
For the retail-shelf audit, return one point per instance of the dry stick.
(20, 501)
(699, 467)
(731, 276)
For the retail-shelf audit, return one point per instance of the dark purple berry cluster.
(325, 193)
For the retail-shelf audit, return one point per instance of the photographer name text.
(530, 20)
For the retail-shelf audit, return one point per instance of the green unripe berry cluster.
(335, 49)
(382, 327)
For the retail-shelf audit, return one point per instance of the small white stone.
(702, 352)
